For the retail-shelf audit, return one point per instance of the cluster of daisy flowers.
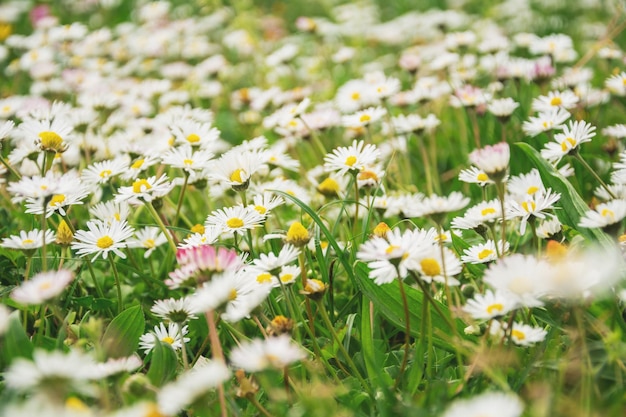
(123, 144)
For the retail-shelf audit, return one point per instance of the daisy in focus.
(102, 238)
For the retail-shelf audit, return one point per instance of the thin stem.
(161, 225)
(407, 332)
(183, 347)
(585, 364)
(342, 348)
(44, 224)
(10, 168)
(426, 162)
(356, 207)
(118, 285)
(218, 354)
(476, 130)
(501, 191)
(258, 405)
(593, 173)
(181, 197)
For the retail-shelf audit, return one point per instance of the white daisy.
(102, 238)
(148, 238)
(144, 190)
(170, 335)
(489, 305)
(42, 287)
(484, 252)
(604, 214)
(257, 355)
(535, 206)
(351, 159)
(174, 310)
(28, 241)
(549, 120)
(235, 219)
(564, 99)
(490, 404)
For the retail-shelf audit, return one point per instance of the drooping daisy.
(351, 159)
(28, 240)
(174, 310)
(265, 202)
(38, 189)
(236, 219)
(170, 335)
(42, 287)
(74, 193)
(483, 252)
(144, 190)
(494, 160)
(189, 386)
(139, 165)
(102, 238)
(148, 238)
(264, 268)
(490, 404)
(489, 305)
(257, 355)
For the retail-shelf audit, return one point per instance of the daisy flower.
(482, 213)
(257, 355)
(28, 241)
(394, 255)
(548, 120)
(139, 165)
(148, 238)
(103, 171)
(521, 334)
(494, 160)
(195, 133)
(74, 193)
(483, 252)
(370, 177)
(189, 386)
(110, 211)
(490, 404)
(235, 219)
(604, 214)
(549, 228)
(563, 99)
(438, 267)
(48, 135)
(170, 335)
(202, 262)
(5, 129)
(576, 133)
(520, 276)
(502, 108)
(102, 238)
(435, 206)
(616, 84)
(524, 186)
(489, 305)
(265, 202)
(42, 287)
(144, 190)
(264, 267)
(351, 159)
(534, 206)
(617, 131)
(173, 310)
(185, 158)
(235, 168)
(363, 118)
(208, 237)
(37, 189)
(475, 175)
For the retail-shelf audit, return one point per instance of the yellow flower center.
(351, 160)
(381, 229)
(153, 411)
(518, 334)
(495, 307)
(529, 206)
(149, 243)
(232, 295)
(137, 164)
(485, 253)
(50, 140)
(168, 340)
(27, 242)
(197, 228)
(571, 141)
(607, 213)
(556, 101)
(391, 248)
(105, 173)
(488, 210)
(5, 30)
(104, 242)
(45, 285)
(236, 175)
(264, 278)
(323, 244)
(57, 199)
(285, 278)
(141, 186)
(365, 118)
(430, 267)
(328, 187)
(234, 223)
(188, 162)
(532, 190)
(355, 96)
(367, 175)
(260, 209)
(297, 234)
(482, 177)
(193, 138)
(75, 404)
(117, 217)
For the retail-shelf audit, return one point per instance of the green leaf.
(163, 364)
(572, 207)
(121, 337)
(389, 302)
(15, 342)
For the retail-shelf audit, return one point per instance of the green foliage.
(121, 337)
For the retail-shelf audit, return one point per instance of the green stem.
(342, 348)
(258, 405)
(44, 224)
(218, 355)
(10, 168)
(407, 332)
(118, 285)
(593, 173)
(426, 162)
(183, 347)
(161, 225)
(501, 191)
(181, 197)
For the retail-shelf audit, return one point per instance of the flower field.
(331, 208)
